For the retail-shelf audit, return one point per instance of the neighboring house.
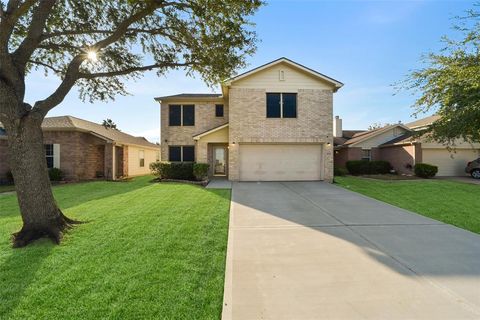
(85, 150)
(403, 148)
(271, 123)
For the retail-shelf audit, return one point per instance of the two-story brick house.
(272, 123)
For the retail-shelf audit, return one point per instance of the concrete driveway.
(312, 250)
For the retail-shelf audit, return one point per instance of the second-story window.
(181, 115)
(219, 110)
(281, 105)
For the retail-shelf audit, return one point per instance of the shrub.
(339, 171)
(357, 167)
(173, 170)
(200, 171)
(55, 174)
(425, 170)
(379, 167)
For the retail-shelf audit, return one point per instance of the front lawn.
(451, 202)
(148, 251)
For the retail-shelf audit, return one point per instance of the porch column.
(110, 161)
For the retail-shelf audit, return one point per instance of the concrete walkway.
(311, 250)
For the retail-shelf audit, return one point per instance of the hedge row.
(357, 167)
(180, 170)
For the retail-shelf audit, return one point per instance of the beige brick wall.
(248, 124)
(183, 135)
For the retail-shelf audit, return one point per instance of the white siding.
(134, 168)
(381, 138)
(269, 79)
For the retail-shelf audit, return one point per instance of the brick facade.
(183, 135)
(346, 154)
(81, 154)
(248, 124)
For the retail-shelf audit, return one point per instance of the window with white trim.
(52, 155)
(366, 154)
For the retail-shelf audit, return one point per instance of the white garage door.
(273, 162)
(449, 164)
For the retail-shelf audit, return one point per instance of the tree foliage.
(109, 124)
(128, 37)
(450, 84)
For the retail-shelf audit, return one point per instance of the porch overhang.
(210, 131)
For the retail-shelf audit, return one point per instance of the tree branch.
(46, 65)
(133, 69)
(9, 18)
(34, 35)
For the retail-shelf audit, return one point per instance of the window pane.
(273, 105)
(49, 162)
(189, 115)
(219, 110)
(48, 149)
(289, 105)
(174, 154)
(189, 153)
(175, 115)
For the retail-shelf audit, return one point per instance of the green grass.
(451, 202)
(148, 251)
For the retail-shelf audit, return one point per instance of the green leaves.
(210, 37)
(450, 84)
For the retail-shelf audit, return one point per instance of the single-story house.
(85, 150)
(399, 145)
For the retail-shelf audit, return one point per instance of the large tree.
(449, 84)
(96, 45)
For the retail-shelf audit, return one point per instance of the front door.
(219, 161)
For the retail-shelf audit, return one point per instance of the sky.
(367, 45)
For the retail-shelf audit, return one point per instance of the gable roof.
(337, 84)
(190, 96)
(363, 136)
(407, 137)
(424, 122)
(72, 123)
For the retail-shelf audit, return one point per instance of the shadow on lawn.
(84, 192)
(17, 274)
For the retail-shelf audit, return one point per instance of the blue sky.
(368, 45)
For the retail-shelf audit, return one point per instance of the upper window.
(281, 105)
(366, 154)
(181, 153)
(181, 115)
(141, 156)
(49, 155)
(219, 110)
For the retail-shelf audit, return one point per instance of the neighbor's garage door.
(273, 162)
(449, 164)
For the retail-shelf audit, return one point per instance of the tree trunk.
(40, 213)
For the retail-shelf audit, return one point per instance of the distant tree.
(449, 84)
(96, 45)
(109, 124)
(377, 125)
